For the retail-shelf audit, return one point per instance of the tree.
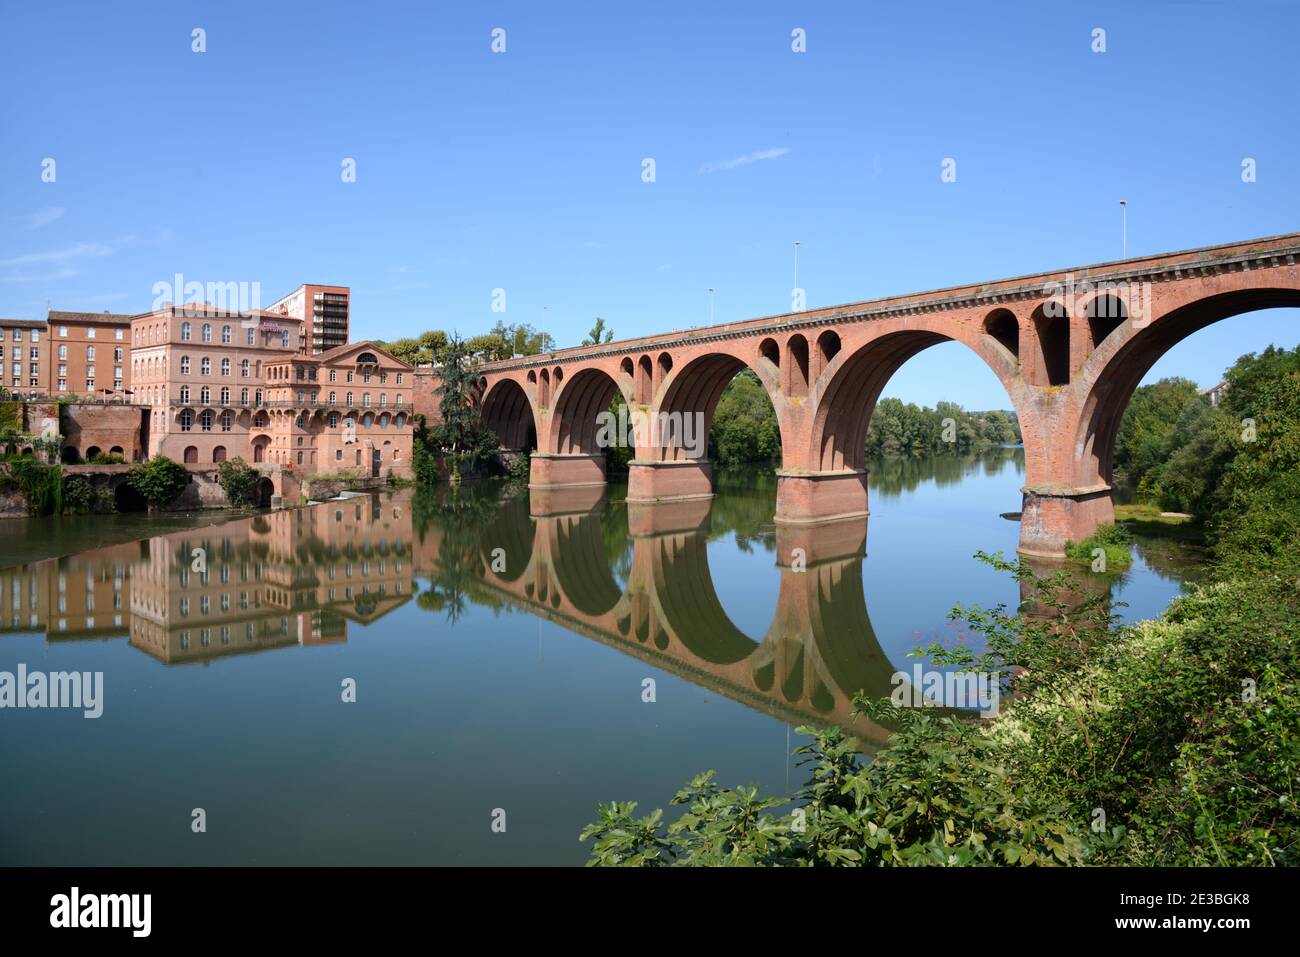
(461, 435)
(598, 335)
(158, 480)
(239, 479)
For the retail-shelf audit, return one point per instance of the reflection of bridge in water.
(298, 577)
(547, 555)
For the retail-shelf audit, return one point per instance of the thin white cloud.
(745, 160)
(43, 217)
(58, 256)
(53, 265)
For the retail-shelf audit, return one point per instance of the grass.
(1114, 540)
(1147, 521)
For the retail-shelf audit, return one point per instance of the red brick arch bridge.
(1070, 347)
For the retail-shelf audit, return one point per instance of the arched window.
(225, 395)
(399, 421)
(187, 420)
(243, 396)
(366, 420)
(185, 394)
(333, 420)
(225, 367)
(205, 366)
(367, 357)
(225, 334)
(207, 332)
(365, 400)
(227, 420)
(243, 369)
(205, 420)
(185, 365)
(349, 402)
(185, 332)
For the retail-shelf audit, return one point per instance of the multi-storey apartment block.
(324, 314)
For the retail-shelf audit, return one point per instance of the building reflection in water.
(635, 578)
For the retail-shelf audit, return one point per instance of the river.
(514, 659)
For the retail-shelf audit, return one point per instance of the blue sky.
(523, 170)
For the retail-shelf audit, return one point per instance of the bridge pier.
(551, 469)
(1052, 515)
(684, 480)
(802, 546)
(814, 498)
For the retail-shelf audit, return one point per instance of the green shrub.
(41, 485)
(239, 480)
(158, 480)
(1114, 540)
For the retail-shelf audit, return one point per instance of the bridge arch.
(574, 422)
(1127, 354)
(695, 388)
(508, 413)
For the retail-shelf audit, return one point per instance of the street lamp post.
(1123, 205)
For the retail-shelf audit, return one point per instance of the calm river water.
(499, 645)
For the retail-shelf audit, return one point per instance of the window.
(185, 332)
(205, 366)
(205, 420)
(257, 397)
(398, 420)
(187, 420)
(63, 384)
(18, 335)
(90, 353)
(117, 334)
(63, 353)
(205, 395)
(284, 339)
(366, 420)
(225, 367)
(117, 354)
(251, 333)
(338, 455)
(63, 332)
(185, 365)
(90, 333)
(227, 420)
(334, 375)
(365, 399)
(225, 334)
(243, 369)
(333, 420)
(36, 335)
(207, 332)
(63, 370)
(185, 395)
(383, 399)
(349, 402)
(333, 397)
(300, 458)
(243, 396)
(349, 375)
(225, 396)
(399, 378)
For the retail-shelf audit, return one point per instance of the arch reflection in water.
(817, 652)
